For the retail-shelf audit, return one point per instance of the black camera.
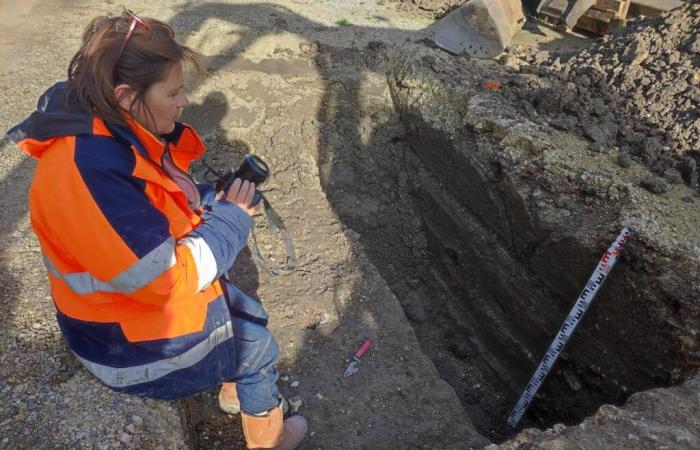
(252, 169)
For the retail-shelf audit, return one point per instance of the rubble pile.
(636, 91)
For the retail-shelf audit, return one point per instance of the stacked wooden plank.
(599, 16)
(604, 16)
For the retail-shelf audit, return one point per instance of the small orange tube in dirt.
(492, 84)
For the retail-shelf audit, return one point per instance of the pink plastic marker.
(352, 366)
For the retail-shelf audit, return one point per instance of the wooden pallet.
(619, 8)
(604, 16)
(599, 16)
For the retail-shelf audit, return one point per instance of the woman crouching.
(136, 251)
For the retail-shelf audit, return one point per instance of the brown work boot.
(271, 431)
(229, 403)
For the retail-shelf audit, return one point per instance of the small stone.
(655, 184)
(598, 147)
(563, 122)
(137, 420)
(558, 428)
(673, 176)
(692, 44)
(295, 402)
(541, 57)
(131, 428)
(124, 437)
(597, 134)
(295, 384)
(624, 159)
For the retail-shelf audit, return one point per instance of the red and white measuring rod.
(607, 262)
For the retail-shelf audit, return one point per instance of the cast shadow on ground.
(347, 175)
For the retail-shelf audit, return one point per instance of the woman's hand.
(241, 194)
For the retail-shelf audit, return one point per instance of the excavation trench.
(485, 223)
(483, 276)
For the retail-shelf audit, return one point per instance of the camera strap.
(276, 225)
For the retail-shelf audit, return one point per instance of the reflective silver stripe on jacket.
(132, 279)
(119, 377)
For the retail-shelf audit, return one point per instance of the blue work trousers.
(256, 353)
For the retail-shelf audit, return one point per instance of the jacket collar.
(143, 140)
(146, 143)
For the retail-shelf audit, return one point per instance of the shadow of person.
(206, 116)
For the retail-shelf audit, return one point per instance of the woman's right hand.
(241, 194)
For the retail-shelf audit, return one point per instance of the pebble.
(295, 402)
(655, 184)
(295, 384)
(624, 159)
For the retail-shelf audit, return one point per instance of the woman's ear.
(125, 96)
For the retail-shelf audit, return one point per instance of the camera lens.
(253, 169)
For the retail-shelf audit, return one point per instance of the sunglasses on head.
(135, 20)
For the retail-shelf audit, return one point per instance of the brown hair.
(97, 68)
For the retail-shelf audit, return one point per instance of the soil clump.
(635, 91)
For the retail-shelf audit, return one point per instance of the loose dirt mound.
(637, 89)
(436, 7)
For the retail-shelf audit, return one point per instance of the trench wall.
(517, 216)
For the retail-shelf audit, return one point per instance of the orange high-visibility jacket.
(133, 256)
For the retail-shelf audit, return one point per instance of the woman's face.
(165, 100)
